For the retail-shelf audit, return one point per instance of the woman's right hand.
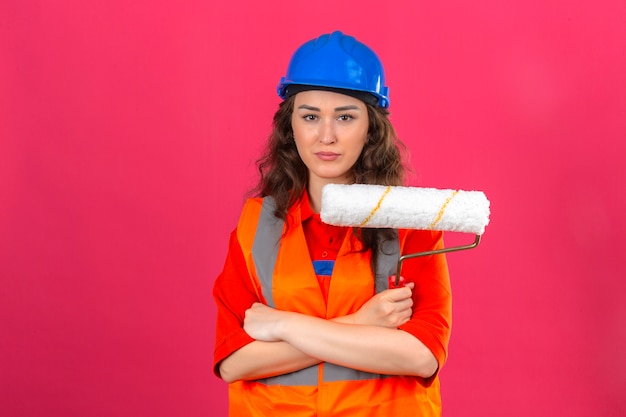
(389, 308)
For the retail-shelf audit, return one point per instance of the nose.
(327, 134)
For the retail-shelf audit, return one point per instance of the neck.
(314, 189)
(315, 196)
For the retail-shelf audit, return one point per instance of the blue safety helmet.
(336, 62)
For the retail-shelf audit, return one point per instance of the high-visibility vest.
(278, 260)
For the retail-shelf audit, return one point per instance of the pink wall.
(128, 133)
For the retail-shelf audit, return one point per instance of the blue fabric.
(324, 268)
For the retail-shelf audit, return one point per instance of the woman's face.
(330, 130)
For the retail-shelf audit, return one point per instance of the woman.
(306, 323)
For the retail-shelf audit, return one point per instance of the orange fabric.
(345, 295)
(351, 285)
(233, 295)
(396, 396)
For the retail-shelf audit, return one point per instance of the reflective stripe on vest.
(265, 250)
(265, 247)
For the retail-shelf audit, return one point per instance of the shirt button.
(324, 254)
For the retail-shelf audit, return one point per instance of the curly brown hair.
(284, 176)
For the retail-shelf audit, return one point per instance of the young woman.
(306, 323)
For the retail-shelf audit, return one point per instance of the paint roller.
(400, 207)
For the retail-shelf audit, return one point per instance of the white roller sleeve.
(398, 207)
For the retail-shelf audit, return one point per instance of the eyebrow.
(342, 108)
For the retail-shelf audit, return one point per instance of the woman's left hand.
(263, 323)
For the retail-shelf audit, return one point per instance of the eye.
(345, 117)
(309, 117)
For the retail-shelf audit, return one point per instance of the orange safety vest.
(274, 259)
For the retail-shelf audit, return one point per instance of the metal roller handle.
(433, 252)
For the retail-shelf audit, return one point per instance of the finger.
(407, 303)
(402, 316)
(404, 306)
(398, 294)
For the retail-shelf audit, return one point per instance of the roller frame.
(433, 252)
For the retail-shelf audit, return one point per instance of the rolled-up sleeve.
(432, 299)
(233, 293)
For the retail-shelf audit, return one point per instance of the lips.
(327, 156)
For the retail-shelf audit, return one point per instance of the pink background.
(128, 135)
